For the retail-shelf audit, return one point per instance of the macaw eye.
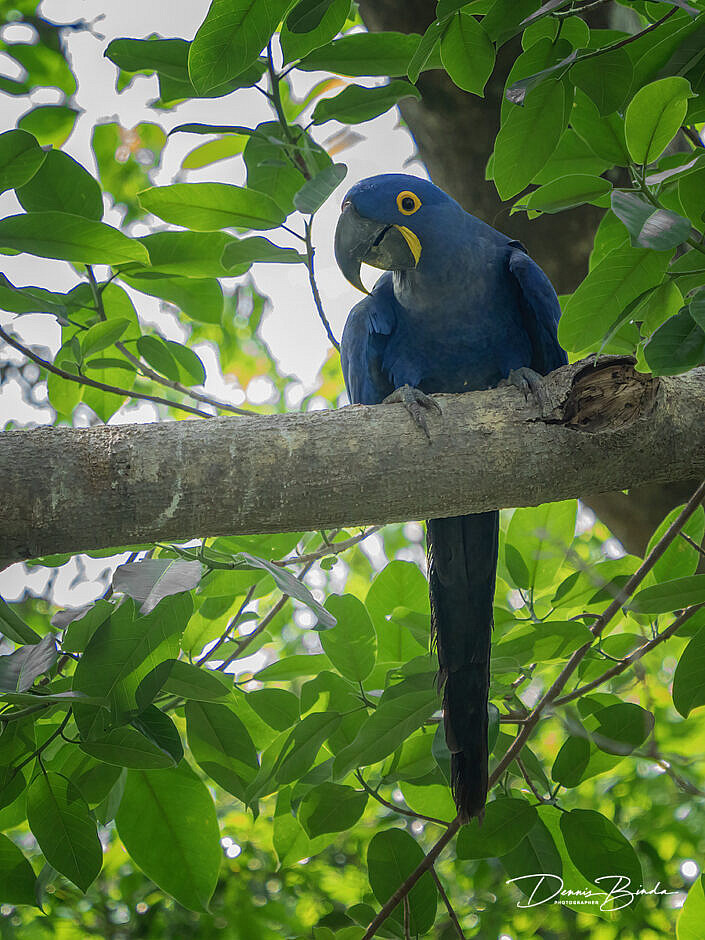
(408, 202)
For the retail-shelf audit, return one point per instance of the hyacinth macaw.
(461, 307)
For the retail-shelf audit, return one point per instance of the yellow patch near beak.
(411, 240)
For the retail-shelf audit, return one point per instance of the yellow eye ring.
(408, 202)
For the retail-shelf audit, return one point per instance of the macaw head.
(384, 221)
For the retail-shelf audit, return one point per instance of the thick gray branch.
(598, 430)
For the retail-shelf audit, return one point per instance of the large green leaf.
(17, 878)
(166, 56)
(303, 744)
(20, 158)
(543, 535)
(69, 238)
(604, 135)
(331, 808)
(567, 191)
(167, 823)
(605, 79)
(200, 299)
(206, 207)
(62, 185)
(507, 821)
(230, 40)
(195, 682)
(352, 644)
(689, 677)
(18, 670)
(298, 36)
(51, 124)
(191, 254)
(598, 849)
(222, 745)
(618, 279)
(315, 191)
(654, 116)
(528, 136)
(356, 103)
(384, 53)
(676, 346)
(648, 225)
(128, 747)
(392, 855)
(537, 853)
(64, 828)
(467, 53)
(669, 595)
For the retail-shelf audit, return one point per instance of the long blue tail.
(462, 565)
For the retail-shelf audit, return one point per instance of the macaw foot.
(415, 401)
(527, 381)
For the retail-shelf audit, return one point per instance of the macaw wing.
(540, 310)
(362, 348)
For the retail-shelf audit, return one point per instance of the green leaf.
(621, 728)
(191, 369)
(544, 535)
(331, 808)
(610, 286)
(528, 136)
(603, 135)
(127, 747)
(567, 191)
(18, 670)
(230, 40)
(654, 116)
(187, 254)
(676, 346)
(314, 192)
(51, 124)
(153, 579)
(207, 207)
(69, 238)
(392, 856)
(536, 853)
(606, 79)
(194, 682)
(649, 226)
(680, 559)
(329, 17)
(16, 875)
(222, 746)
(383, 53)
(430, 799)
(507, 821)
(222, 148)
(157, 354)
(598, 849)
(690, 919)
(62, 185)
(352, 644)
(689, 677)
(428, 45)
(542, 642)
(167, 822)
(356, 104)
(102, 334)
(166, 56)
(244, 251)
(200, 299)
(32, 300)
(386, 728)
(293, 667)
(303, 744)
(20, 158)
(467, 53)
(276, 707)
(64, 828)
(128, 658)
(14, 628)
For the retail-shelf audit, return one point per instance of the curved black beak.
(358, 239)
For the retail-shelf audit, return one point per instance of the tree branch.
(599, 429)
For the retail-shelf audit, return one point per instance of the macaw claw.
(415, 401)
(527, 381)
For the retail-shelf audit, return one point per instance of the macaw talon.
(415, 401)
(527, 381)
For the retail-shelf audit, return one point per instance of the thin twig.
(308, 225)
(231, 625)
(449, 906)
(331, 549)
(397, 809)
(84, 380)
(693, 543)
(632, 658)
(525, 775)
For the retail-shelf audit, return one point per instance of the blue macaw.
(461, 307)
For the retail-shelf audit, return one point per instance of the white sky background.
(291, 327)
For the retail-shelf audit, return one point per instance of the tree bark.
(597, 429)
